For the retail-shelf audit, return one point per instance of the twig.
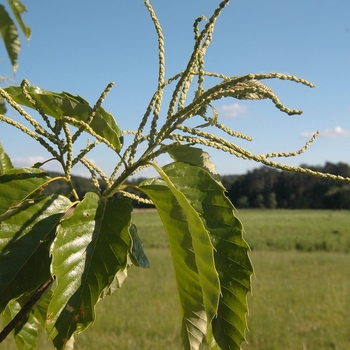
(19, 318)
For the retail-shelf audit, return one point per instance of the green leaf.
(10, 37)
(26, 335)
(203, 248)
(18, 8)
(64, 104)
(91, 247)
(232, 262)
(117, 283)
(193, 155)
(138, 255)
(5, 162)
(193, 315)
(40, 308)
(189, 241)
(25, 238)
(2, 106)
(18, 184)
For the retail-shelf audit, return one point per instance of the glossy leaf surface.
(19, 183)
(5, 162)
(231, 251)
(207, 197)
(193, 315)
(203, 249)
(64, 104)
(91, 247)
(25, 238)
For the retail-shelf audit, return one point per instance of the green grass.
(303, 230)
(300, 301)
(150, 229)
(301, 295)
(143, 314)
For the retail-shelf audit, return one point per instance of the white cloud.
(338, 131)
(27, 161)
(234, 110)
(334, 133)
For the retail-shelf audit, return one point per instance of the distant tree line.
(262, 188)
(270, 188)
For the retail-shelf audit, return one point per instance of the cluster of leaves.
(59, 255)
(83, 257)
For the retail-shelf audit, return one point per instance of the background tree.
(291, 190)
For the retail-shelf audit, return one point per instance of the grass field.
(302, 230)
(301, 292)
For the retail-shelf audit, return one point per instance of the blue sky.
(80, 46)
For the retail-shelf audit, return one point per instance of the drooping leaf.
(193, 315)
(137, 255)
(91, 246)
(202, 246)
(186, 232)
(10, 37)
(27, 334)
(64, 104)
(5, 161)
(18, 9)
(231, 251)
(18, 184)
(25, 238)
